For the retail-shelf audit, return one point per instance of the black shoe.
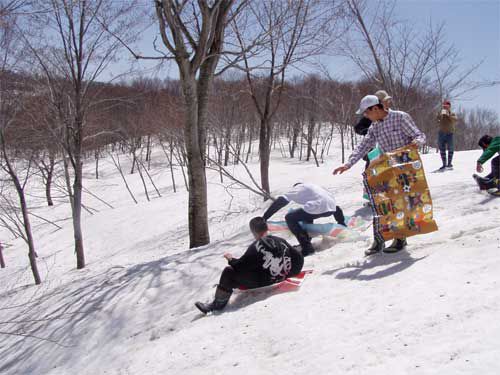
(307, 249)
(220, 301)
(443, 168)
(396, 245)
(376, 247)
(205, 308)
(449, 166)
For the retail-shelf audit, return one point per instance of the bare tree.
(12, 90)
(290, 33)
(72, 57)
(193, 34)
(397, 57)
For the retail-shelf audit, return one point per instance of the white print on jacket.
(279, 267)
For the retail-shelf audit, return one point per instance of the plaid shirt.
(397, 129)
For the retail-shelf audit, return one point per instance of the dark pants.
(445, 141)
(294, 217)
(231, 279)
(495, 168)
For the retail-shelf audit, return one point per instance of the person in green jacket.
(490, 146)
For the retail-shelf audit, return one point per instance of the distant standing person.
(390, 130)
(384, 98)
(447, 122)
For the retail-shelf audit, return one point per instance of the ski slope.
(432, 309)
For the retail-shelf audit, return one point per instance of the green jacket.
(492, 149)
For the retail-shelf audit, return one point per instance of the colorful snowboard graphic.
(289, 284)
(354, 223)
(399, 194)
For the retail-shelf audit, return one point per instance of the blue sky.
(473, 26)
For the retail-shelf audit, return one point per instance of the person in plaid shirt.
(390, 130)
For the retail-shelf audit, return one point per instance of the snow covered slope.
(433, 309)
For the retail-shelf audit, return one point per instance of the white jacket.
(313, 198)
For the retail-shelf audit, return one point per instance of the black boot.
(443, 159)
(220, 301)
(376, 247)
(307, 249)
(306, 246)
(396, 245)
(485, 183)
(450, 158)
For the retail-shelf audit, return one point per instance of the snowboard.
(399, 193)
(287, 285)
(354, 224)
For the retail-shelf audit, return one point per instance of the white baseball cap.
(367, 102)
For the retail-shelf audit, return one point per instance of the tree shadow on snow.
(243, 299)
(239, 300)
(105, 308)
(389, 264)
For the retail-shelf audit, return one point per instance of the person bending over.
(490, 146)
(316, 202)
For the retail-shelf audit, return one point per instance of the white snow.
(433, 309)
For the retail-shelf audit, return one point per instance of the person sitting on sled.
(316, 201)
(268, 260)
(490, 147)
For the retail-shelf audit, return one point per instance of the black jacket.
(362, 126)
(271, 259)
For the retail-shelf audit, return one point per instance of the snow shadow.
(375, 267)
(241, 300)
(62, 323)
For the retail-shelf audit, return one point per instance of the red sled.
(289, 284)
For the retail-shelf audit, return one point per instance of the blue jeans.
(445, 141)
(295, 216)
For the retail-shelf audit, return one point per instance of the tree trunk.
(249, 151)
(227, 141)
(2, 261)
(195, 147)
(26, 221)
(310, 137)
(96, 155)
(77, 211)
(67, 180)
(48, 185)
(342, 142)
(171, 162)
(264, 154)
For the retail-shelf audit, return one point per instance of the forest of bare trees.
(238, 93)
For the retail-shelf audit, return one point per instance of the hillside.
(432, 309)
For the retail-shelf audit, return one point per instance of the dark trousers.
(294, 217)
(231, 279)
(445, 141)
(495, 168)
